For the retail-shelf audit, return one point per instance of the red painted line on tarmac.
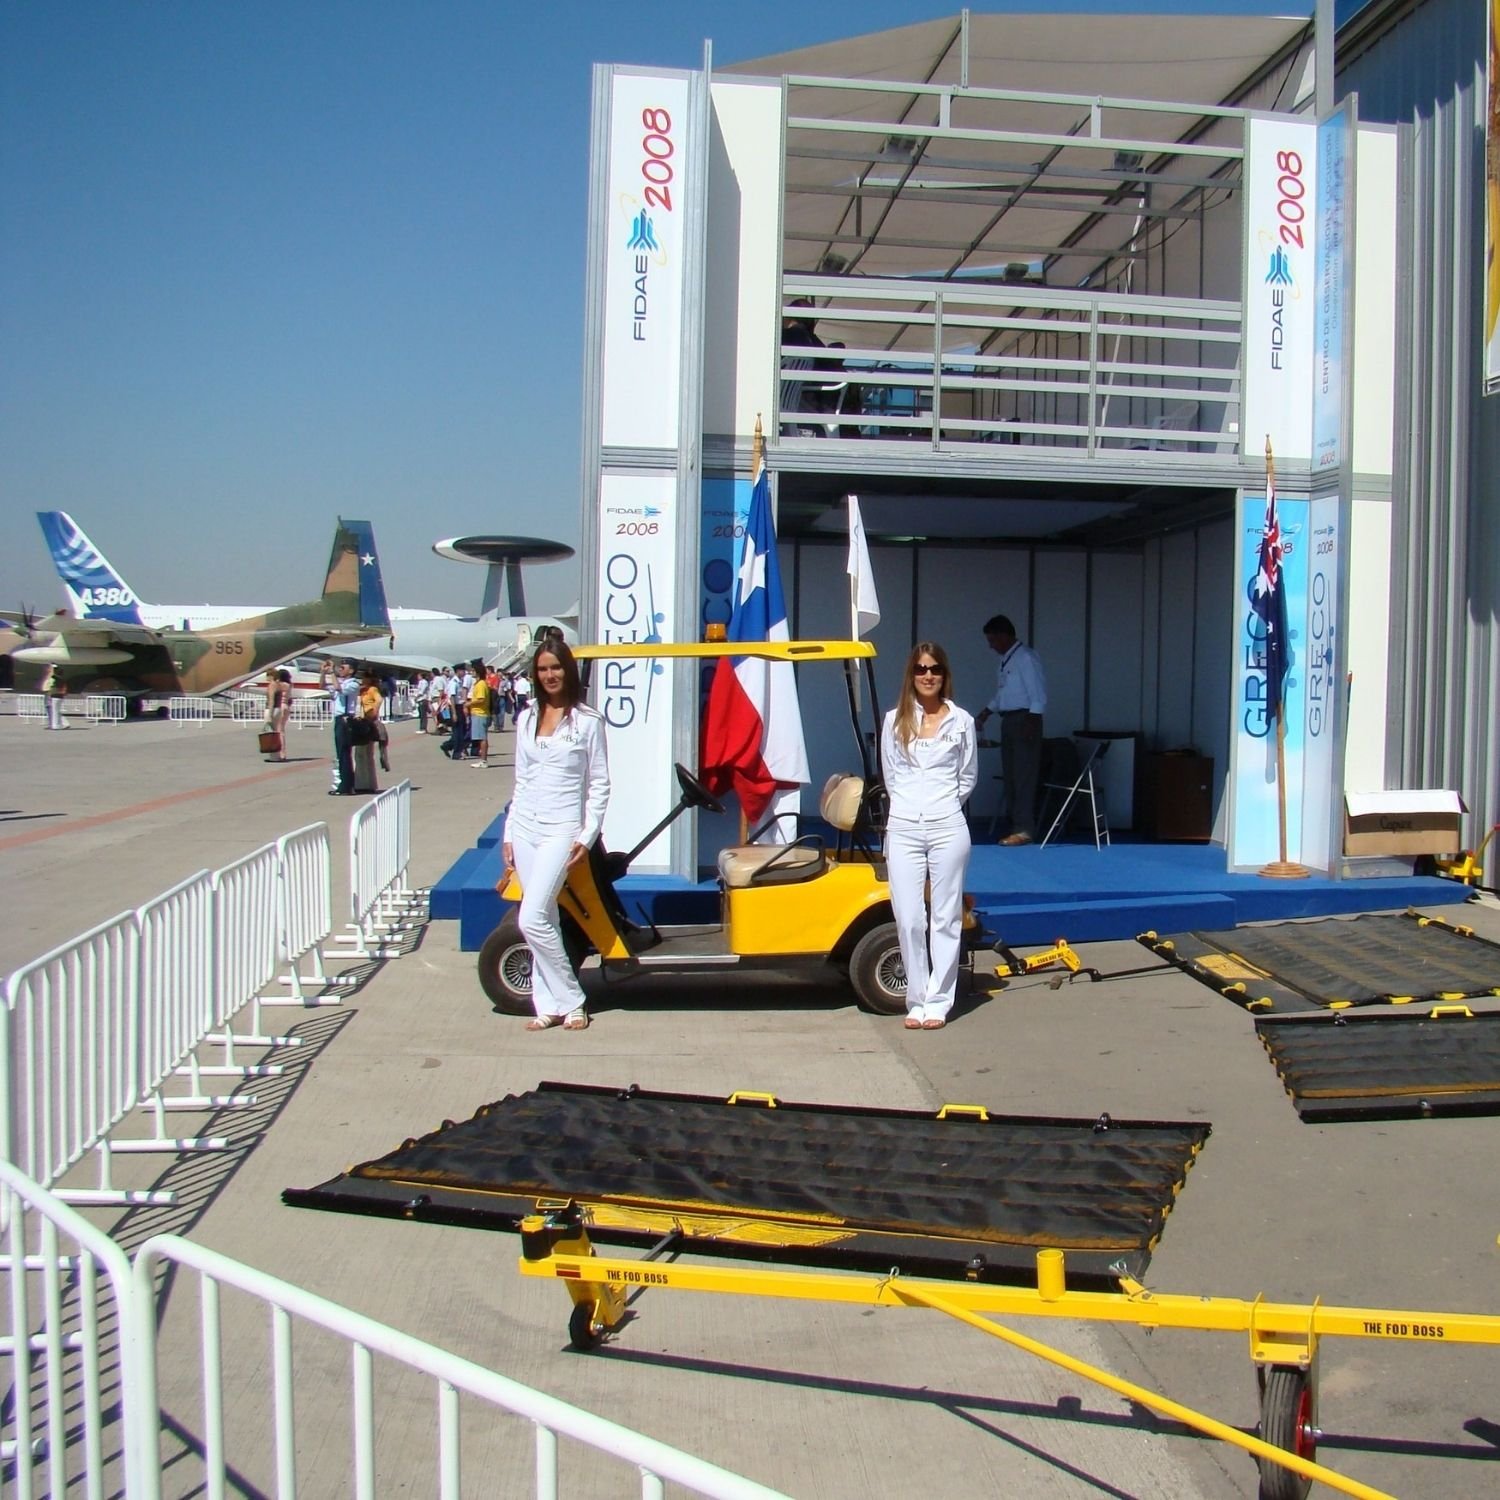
(98, 820)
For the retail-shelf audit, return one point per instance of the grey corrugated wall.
(1419, 64)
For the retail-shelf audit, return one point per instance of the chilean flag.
(752, 729)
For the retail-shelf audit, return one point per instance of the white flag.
(864, 606)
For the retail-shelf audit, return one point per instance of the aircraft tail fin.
(353, 599)
(95, 590)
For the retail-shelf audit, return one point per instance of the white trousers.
(919, 854)
(542, 864)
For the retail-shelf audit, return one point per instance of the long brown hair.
(906, 700)
(572, 687)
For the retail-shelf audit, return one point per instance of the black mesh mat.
(1338, 962)
(1387, 1066)
(809, 1183)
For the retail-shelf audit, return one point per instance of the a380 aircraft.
(419, 638)
(100, 654)
(96, 591)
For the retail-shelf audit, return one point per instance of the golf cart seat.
(743, 865)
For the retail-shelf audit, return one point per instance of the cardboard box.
(1420, 822)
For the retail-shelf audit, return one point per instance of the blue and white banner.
(1280, 219)
(1254, 837)
(1323, 675)
(1332, 283)
(637, 566)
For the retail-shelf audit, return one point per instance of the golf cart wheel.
(1286, 1419)
(505, 968)
(584, 1332)
(877, 972)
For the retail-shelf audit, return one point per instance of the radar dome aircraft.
(114, 656)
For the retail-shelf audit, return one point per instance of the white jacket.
(930, 780)
(562, 781)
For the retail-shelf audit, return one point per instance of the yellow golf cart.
(804, 906)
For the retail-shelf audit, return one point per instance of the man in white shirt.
(342, 687)
(420, 688)
(1020, 701)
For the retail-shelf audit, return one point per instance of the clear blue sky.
(265, 263)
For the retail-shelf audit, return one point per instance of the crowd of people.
(466, 705)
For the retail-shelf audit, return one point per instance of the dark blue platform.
(1027, 896)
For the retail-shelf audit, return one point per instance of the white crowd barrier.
(88, 1337)
(31, 706)
(74, 1421)
(70, 1054)
(191, 709)
(99, 1026)
(311, 713)
(306, 910)
(105, 708)
(380, 901)
(246, 708)
(247, 914)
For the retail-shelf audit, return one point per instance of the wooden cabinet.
(1177, 798)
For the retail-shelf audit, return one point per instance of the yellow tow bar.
(1283, 1337)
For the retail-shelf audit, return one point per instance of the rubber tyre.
(877, 972)
(583, 1332)
(1286, 1419)
(505, 968)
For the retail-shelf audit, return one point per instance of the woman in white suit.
(930, 757)
(556, 812)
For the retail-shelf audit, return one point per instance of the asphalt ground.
(815, 1399)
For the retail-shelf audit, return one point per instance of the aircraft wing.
(90, 633)
(401, 661)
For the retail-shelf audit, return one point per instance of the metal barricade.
(190, 710)
(246, 708)
(69, 1056)
(305, 860)
(73, 1422)
(247, 954)
(379, 852)
(274, 1461)
(311, 713)
(31, 706)
(105, 708)
(177, 994)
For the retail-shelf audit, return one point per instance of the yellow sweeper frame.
(1283, 1337)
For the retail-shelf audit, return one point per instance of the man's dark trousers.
(1021, 766)
(344, 751)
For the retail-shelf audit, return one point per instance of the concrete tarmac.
(819, 1401)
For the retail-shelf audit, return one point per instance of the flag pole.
(1282, 868)
(757, 460)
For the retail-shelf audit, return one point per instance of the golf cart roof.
(770, 650)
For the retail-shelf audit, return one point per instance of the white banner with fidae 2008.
(644, 262)
(1279, 333)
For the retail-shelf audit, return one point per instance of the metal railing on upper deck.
(1087, 372)
(966, 265)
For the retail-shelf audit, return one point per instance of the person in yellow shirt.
(479, 717)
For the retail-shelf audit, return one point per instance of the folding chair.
(1084, 786)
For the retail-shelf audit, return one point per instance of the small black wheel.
(878, 972)
(505, 967)
(583, 1332)
(1286, 1419)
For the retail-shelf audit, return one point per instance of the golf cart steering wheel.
(694, 793)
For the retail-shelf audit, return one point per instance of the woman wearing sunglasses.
(929, 752)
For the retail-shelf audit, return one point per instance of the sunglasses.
(928, 669)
